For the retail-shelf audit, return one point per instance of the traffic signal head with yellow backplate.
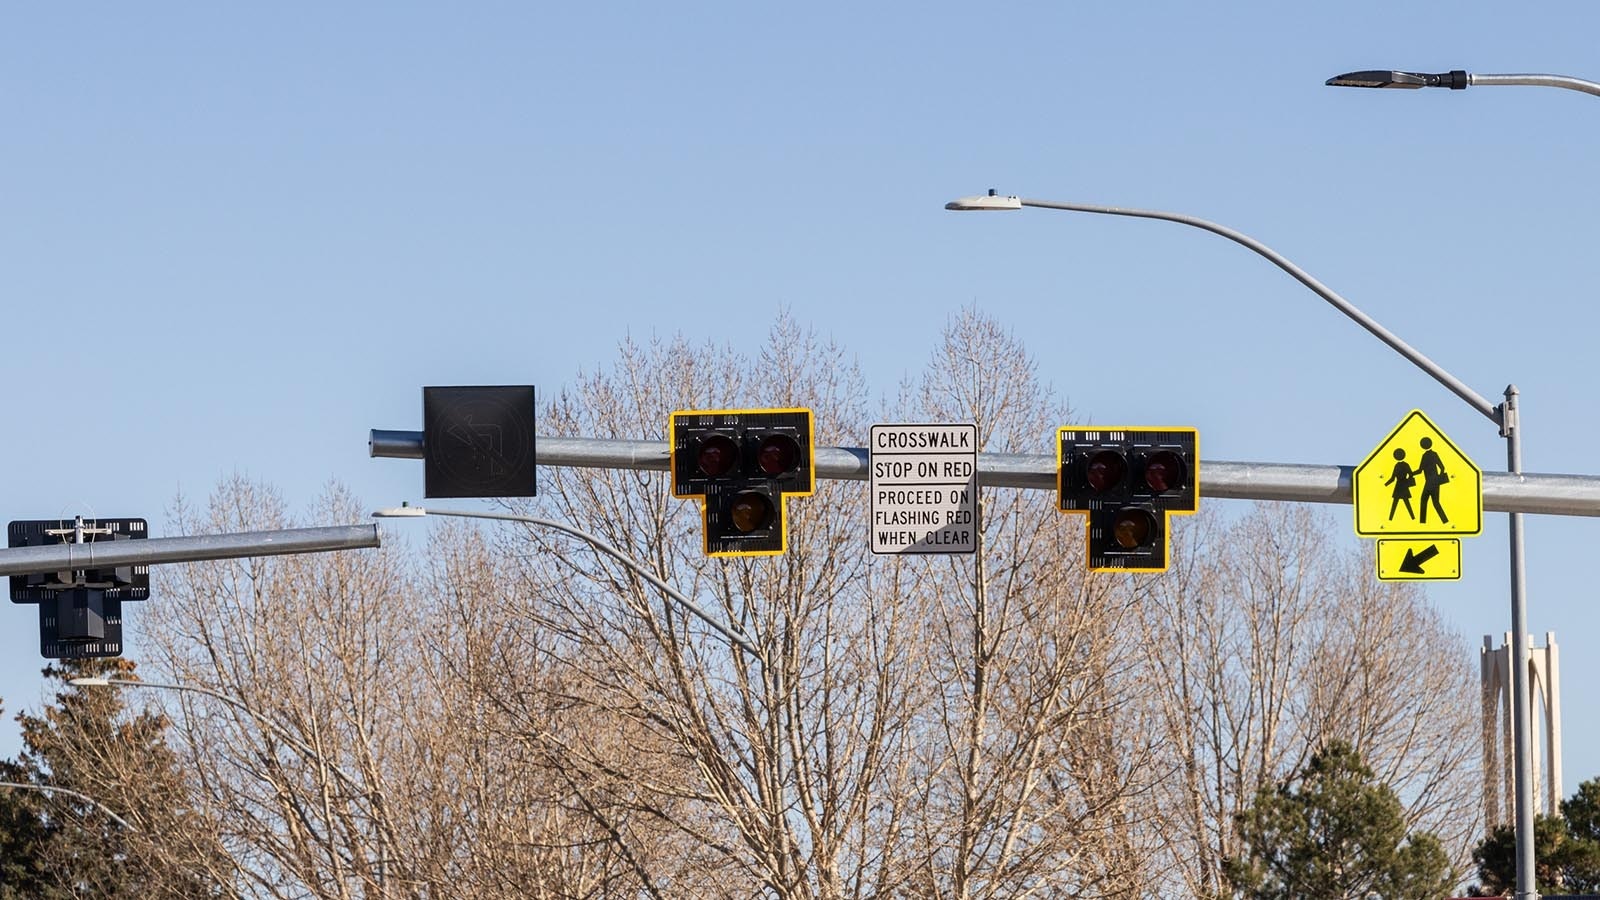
(1129, 481)
(742, 464)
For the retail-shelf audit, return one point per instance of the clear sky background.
(236, 238)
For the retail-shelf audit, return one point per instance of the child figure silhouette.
(1402, 479)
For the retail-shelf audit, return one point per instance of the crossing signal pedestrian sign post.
(1129, 481)
(1419, 493)
(743, 465)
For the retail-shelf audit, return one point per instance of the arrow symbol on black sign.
(1413, 561)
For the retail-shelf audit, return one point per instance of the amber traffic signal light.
(742, 463)
(1129, 481)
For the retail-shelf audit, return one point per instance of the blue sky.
(234, 239)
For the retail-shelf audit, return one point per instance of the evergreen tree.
(1496, 858)
(56, 845)
(1581, 858)
(23, 835)
(1566, 849)
(1331, 833)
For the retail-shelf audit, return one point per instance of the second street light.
(1456, 80)
(1521, 723)
(1503, 415)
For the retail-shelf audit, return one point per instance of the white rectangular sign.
(924, 488)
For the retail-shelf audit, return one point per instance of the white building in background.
(1499, 762)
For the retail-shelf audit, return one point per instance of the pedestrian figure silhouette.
(1433, 476)
(1402, 479)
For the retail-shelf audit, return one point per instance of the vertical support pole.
(1508, 759)
(1493, 786)
(1526, 890)
(1535, 684)
(1552, 716)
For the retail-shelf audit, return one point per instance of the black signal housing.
(1129, 481)
(743, 464)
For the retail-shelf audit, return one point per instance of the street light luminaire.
(990, 201)
(1455, 80)
(400, 512)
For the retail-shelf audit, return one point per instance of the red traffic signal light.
(716, 455)
(777, 453)
(1129, 481)
(742, 463)
(1165, 471)
(1105, 471)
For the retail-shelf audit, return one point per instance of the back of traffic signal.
(80, 609)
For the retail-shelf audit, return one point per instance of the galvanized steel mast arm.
(195, 548)
(1559, 495)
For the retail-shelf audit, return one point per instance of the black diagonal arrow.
(1413, 561)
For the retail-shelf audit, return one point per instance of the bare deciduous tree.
(523, 715)
(936, 727)
(310, 764)
(126, 825)
(1265, 642)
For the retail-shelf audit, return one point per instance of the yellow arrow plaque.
(1419, 559)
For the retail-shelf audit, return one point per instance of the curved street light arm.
(44, 788)
(1555, 81)
(278, 730)
(737, 638)
(1455, 385)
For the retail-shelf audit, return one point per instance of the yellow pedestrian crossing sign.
(1417, 482)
